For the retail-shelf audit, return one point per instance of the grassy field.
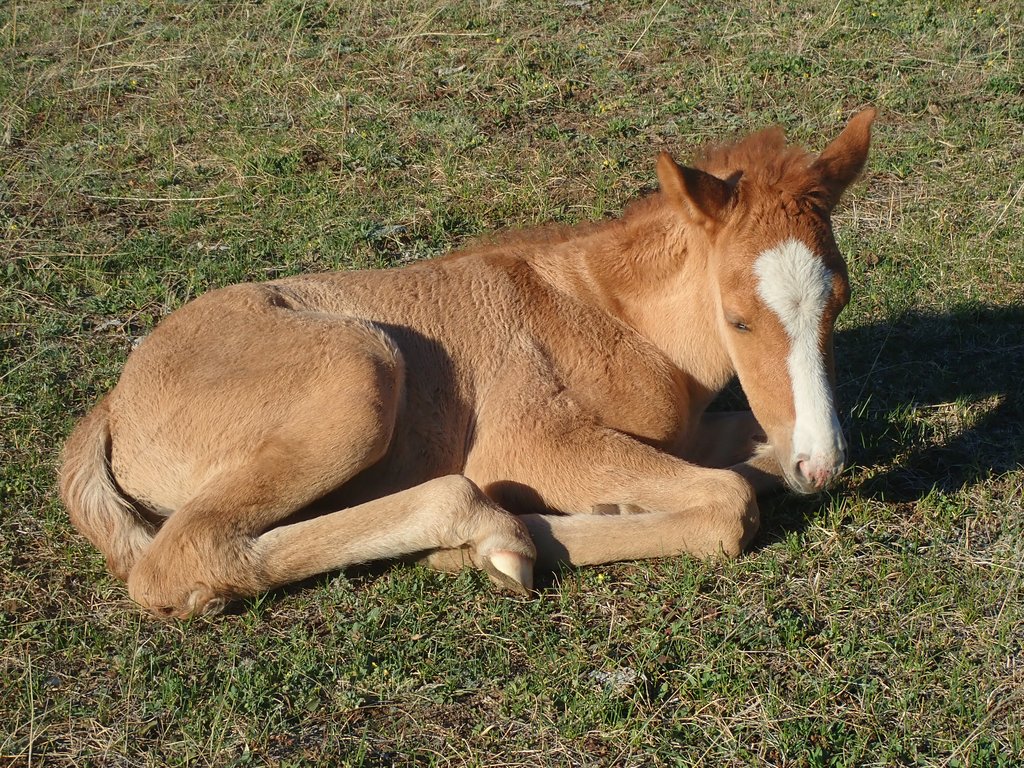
(150, 151)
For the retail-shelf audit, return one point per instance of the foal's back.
(462, 332)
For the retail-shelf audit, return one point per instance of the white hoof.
(509, 570)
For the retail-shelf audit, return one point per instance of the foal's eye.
(741, 326)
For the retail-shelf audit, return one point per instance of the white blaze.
(796, 285)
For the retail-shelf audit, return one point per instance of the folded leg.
(566, 463)
(734, 440)
(196, 569)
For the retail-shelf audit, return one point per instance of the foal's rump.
(243, 378)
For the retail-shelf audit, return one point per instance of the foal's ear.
(703, 196)
(844, 158)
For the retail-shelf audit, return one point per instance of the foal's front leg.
(577, 466)
(734, 440)
(687, 509)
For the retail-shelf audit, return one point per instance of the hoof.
(200, 602)
(509, 570)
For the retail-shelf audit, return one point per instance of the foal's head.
(779, 281)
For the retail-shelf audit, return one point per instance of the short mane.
(764, 159)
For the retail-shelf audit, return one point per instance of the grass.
(150, 151)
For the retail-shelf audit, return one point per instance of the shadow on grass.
(937, 399)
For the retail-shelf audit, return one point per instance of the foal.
(540, 398)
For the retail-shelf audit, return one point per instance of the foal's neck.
(650, 271)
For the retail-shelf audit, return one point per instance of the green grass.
(150, 151)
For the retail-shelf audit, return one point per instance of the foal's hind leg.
(451, 513)
(318, 407)
(235, 431)
(264, 450)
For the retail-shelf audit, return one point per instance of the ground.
(150, 151)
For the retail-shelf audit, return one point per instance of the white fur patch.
(796, 285)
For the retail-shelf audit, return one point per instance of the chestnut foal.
(540, 398)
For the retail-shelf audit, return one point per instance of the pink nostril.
(818, 477)
(804, 468)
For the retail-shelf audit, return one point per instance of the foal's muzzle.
(813, 474)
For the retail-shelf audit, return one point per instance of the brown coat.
(265, 433)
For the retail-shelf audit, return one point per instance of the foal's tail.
(96, 507)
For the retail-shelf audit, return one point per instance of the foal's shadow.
(933, 401)
(936, 398)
